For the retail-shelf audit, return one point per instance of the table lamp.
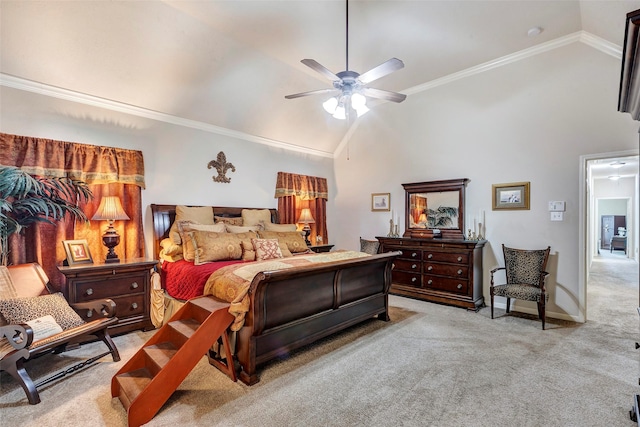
(306, 219)
(110, 209)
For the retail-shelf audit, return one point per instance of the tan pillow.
(7, 290)
(185, 227)
(210, 246)
(236, 220)
(170, 248)
(198, 215)
(280, 227)
(255, 216)
(293, 240)
(242, 229)
(267, 249)
(248, 251)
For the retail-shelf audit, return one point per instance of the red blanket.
(184, 280)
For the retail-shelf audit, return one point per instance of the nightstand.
(127, 283)
(321, 248)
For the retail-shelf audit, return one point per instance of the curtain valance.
(92, 164)
(303, 186)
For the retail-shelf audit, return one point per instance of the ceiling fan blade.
(313, 92)
(315, 65)
(381, 70)
(383, 94)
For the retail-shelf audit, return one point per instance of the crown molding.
(579, 36)
(95, 101)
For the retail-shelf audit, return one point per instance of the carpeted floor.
(433, 365)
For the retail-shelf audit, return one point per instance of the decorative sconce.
(306, 219)
(110, 209)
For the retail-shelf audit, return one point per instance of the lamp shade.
(305, 217)
(110, 209)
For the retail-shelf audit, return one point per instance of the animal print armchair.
(525, 276)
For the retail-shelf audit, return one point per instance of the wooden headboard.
(164, 215)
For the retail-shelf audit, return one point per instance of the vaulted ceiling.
(227, 65)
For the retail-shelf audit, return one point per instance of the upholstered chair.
(525, 278)
(369, 246)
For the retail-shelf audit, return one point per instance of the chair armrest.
(95, 309)
(494, 271)
(19, 336)
(543, 279)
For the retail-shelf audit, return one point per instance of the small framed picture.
(511, 196)
(380, 202)
(77, 252)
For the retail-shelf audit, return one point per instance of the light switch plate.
(556, 206)
(556, 216)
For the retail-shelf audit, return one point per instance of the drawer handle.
(459, 272)
(430, 256)
(89, 291)
(429, 282)
(134, 285)
(135, 304)
(459, 285)
(413, 255)
(414, 266)
(89, 313)
(413, 279)
(430, 268)
(459, 258)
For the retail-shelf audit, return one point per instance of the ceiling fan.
(349, 87)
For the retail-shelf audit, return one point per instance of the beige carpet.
(432, 365)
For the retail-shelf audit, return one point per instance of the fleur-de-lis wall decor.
(222, 167)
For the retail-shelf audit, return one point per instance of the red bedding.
(184, 280)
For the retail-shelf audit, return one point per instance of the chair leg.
(106, 338)
(14, 366)
(492, 305)
(508, 304)
(541, 312)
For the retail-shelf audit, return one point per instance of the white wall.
(527, 121)
(175, 157)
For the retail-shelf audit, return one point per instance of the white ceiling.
(229, 64)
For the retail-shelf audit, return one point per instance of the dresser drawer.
(446, 284)
(129, 305)
(410, 254)
(405, 278)
(118, 285)
(459, 258)
(407, 265)
(445, 269)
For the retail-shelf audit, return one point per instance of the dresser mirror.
(435, 209)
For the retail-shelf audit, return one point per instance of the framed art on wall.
(511, 196)
(77, 252)
(380, 202)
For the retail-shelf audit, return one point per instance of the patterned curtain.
(108, 171)
(296, 192)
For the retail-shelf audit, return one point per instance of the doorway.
(610, 226)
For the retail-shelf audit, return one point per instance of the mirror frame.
(458, 185)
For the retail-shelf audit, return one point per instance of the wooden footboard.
(292, 308)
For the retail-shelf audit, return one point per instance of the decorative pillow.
(236, 220)
(293, 240)
(170, 248)
(7, 290)
(185, 227)
(44, 327)
(266, 249)
(22, 310)
(255, 216)
(369, 246)
(196, 214)
(279, 227)
(248, 251)
(242, 229)
(210, 246)
(170, 258)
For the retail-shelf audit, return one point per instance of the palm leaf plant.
(441, 217)
(25, 200)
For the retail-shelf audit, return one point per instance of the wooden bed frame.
(294, 307)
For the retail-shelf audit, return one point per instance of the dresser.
(127, 283)
(447, 271)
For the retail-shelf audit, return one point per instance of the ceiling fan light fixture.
(340, 113)
(358, 100)
(330, 105)
(362, 110)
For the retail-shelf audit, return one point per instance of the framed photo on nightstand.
(77, 252)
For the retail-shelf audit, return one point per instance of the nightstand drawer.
(118, 285)
(129, 305)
